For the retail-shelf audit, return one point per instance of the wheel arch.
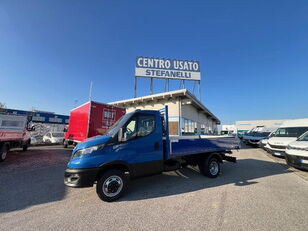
(8, 144)
(121, 165)
(216, 155)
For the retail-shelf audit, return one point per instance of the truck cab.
(14, 132)
(136, 145)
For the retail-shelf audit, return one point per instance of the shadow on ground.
(31, 178)
(243, 173)
(36, 177)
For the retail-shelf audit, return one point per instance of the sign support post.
(199, 90)
(151, 87)
(135, 89)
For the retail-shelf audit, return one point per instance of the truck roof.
(105, 104)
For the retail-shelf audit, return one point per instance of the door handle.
(156, 146)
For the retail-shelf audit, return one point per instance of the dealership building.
(187, 115)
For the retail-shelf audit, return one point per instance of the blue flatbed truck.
(139, 145)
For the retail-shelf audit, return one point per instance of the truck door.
(143, 147)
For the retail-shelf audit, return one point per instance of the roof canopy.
(183, 94)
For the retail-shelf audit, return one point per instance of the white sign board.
(167, 68)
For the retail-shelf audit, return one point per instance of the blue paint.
(40, 117)
(154, 147)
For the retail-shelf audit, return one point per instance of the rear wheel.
(65, 144)
(210, 167)
(25, 146)
(111, 185)
(3, 152)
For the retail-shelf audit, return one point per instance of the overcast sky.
(253, 54)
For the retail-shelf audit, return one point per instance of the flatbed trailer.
(139, 145)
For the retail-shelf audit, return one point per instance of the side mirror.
(30, 129)
(120, 136)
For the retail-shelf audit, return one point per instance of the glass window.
(290, 132)
(57, 134)
(12, 123)
(146, 125)
(129, 130)
(139, 126)
(304, 137)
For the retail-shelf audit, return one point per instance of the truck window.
(146, 125)
(139, 126)
(129, 130)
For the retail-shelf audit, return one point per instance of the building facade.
(249, 124)
(187, 115)
(42, 121)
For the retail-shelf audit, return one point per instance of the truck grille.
(277, 146)
(254, 141)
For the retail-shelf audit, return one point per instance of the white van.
(297, 152)
(262, 143)
(288, 132)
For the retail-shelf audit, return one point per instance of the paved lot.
(255, 194)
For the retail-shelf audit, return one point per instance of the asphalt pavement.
(256, 193)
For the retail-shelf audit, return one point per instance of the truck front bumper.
(300, 162)
(79, 178)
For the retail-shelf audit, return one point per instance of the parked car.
(297, 152)
(53, 137)
(260, 134)
(246, 135)
(262, 143)
(288, 132)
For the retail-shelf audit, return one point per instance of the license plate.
(277, 154)
(304, 161)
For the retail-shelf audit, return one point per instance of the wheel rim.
(112, 186)
(214, 168)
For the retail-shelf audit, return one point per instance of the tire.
(65, 144)
(3, 152)
(210, 167)
(25, 147)
(111, 185)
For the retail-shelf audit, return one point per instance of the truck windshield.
(116, 127)
(290, 132)
(303, 137)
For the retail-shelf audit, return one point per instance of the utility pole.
(90, 91)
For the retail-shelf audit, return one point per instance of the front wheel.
(3, 152)
(210, 167)
(111, 185)
(25, 146)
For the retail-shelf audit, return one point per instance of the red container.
(91, 119)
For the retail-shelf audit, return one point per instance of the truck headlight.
(289, 147)
(87, 151)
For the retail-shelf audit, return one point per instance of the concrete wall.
(173, 106)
